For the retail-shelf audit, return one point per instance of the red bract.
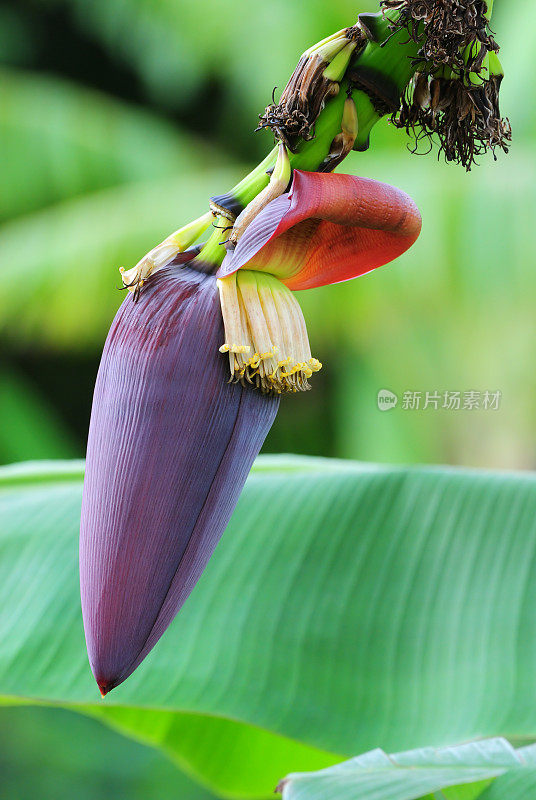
(327, 229)
(170, 445)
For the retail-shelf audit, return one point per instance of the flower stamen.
(265, 333)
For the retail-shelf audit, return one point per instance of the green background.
(118, 119)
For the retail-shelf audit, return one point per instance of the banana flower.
(328, 228)
(188, 388)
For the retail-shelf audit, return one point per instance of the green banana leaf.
(347, 607)
(487, 770)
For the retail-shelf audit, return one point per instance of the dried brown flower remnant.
(465, 119)
(453, 32)
(454, 99)
(311, 84)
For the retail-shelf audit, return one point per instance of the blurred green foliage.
(118, 118)
(55, 754)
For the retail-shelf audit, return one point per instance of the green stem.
(387, 68)
(213, 251)
(308, 155)
(384, 67)
(367, 117)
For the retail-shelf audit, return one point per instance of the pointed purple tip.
(170, 445)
